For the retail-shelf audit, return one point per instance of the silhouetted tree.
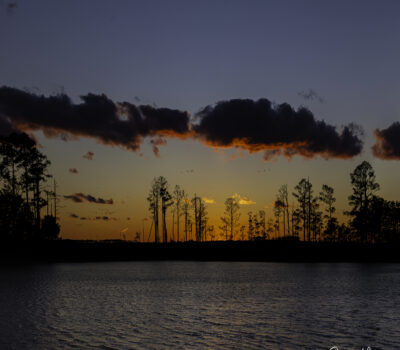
(224, 228)
(232, 215)
(186, 215)
(50, 228)
(200, 217)
(211, 232)
(15, 220)
(23, 169)
(242, 232)
(154, 202)
(278, 210)
(203, 219)
(178, 196)
(250, 230)
(301, 192)
(295, 221)
(307, 211)
(10, 161)
(364, 187)
(262, 224)
(316, 220)
(282, 201)
(38, 170)
(166, 202)
(326, 196)
(270, 228)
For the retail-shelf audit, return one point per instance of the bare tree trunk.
(164, 225)
(155, 215)
(37, 202)
(177, 223)
(186, 225)
(173, 225)
(231, 223)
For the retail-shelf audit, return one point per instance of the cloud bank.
(276, 130)
(242, 123)
(111, 123)
(387, 144)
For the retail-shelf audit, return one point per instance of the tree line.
(192, 211)
(25, 190)
(307, 214)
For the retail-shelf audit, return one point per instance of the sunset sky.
(339, 59)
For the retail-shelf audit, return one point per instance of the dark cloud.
(80, 198)
(89, 155)
(101, 218)
(105, 218)
(111, 123)
(251, 125)
(310, 94)
(276, 130)
(387, 144)
(73, 170)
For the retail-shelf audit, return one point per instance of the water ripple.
(196, 305)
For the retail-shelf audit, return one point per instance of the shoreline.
(268, 251)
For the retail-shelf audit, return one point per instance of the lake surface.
(195, 305)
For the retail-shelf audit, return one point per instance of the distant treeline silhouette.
(309, 216)
(25, 191)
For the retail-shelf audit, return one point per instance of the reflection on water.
(191, 305)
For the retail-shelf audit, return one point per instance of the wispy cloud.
(208, 200)
(80, 198)
(243, 200)
(95, 218)
(89, 155)
(310, 94)
(73, 170)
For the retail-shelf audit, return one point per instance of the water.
(195, 305)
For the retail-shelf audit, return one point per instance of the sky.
(338, 59)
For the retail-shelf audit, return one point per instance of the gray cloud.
(80, 198)
(387, 144)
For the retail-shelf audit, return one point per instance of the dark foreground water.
(195, 305)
